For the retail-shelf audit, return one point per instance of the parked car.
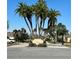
(9, 41)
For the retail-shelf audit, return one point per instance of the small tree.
(15, 33)
(62, 31)
(20, 35)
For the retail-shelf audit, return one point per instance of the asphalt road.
(38, 53)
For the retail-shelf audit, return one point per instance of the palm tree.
(61, 31)
(52, 15)
(26, 12)
(40, 10)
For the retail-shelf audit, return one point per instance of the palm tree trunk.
(57, 36)
(27, 24)
(31, 28)
(62, 40)
(41, 21)
(36, 24)
(43, 25)
(39, 27)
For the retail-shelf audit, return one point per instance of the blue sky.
(17, 22)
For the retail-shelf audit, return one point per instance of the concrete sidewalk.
(48, 45)
(19, 45)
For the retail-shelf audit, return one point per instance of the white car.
(10, 41)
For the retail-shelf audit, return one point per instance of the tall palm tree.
(40, 13)
(52, 15)
(26, 12)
